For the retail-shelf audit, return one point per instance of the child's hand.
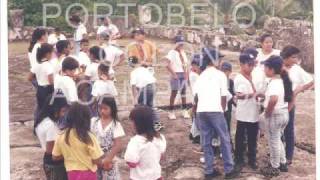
(107, 166)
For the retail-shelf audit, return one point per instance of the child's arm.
(134, 93)
(116, 148)
(271, 104)
(31, 77)
(50, 79)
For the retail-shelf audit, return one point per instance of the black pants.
(227, 115)
(42, 93)
(251, 130)
(54, 170)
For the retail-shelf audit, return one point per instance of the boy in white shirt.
(211, 90)
(83, 56)
(64, 84)
(301, 81)
(96, 55)
(114, 55)
(80, 32)
(247, 112)
(142, 83)
(56, 36)
(177, 65)
(109, 28)
(63, 48)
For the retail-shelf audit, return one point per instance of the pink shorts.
(82, 175)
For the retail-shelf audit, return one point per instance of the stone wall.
(284, 32)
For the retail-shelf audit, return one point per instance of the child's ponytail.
(36, 36)
(287, 83)
(43, 50)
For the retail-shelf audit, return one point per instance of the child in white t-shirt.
(56, 36)
(63, 48)
(64, 84)
(146, 148)
(277, 96)
(247, 112)
(301, 81)
(47, 127)
(43, 73)
(83, 56)
(96, 55)
(109, 133)
(193, 76)
(114, 55)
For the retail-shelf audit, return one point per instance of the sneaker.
(215, 173)
(196, 140)
(253, 165)
(172, 116)
(239, 164)
(158, 126)
(270, 171)
(191, 137)
(202, 160)
(186, 114)
(232, 174)
(283, 167)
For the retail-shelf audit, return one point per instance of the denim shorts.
(179, 84)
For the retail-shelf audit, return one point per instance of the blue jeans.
(289, 135)
(212, 123)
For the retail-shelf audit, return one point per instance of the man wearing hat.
(177, 65)
(211, 90)
(247, 112)
(80, 32)
(143, 49)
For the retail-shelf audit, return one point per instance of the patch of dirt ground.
(181, 161)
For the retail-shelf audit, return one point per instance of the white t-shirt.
(247, 109)
(101, 87)
(259, 79)
(141, 77)
(299, 76)
(113, 54)
(33, 55)
(262, 57)
(83, 59)
(275, 88)
(53, 38)
(67, 86)
(101, 29)
(46, 131)
(100, 132)
(147, 155)
(92, 71)
(42, 71)
(80, 31)
(193, 78)
(175, 61)
(210, 86)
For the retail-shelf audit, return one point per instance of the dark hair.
(104, 68)
(288, 51)
(84, 41)
(51, 107)
(143, 117)
(111, 102)
(61, 45)
(264, 37)
(57, 29)
(43, 51)
(75, 18)
(287, 83)
(78, 118)
(98, 53)
(69, 63)
(36, 36)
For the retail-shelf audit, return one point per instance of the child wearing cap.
(210, 91)
(301, 81)
(277, 97)
(142, 83)
(114, 55)
(177, 65)
(247, 112)
(193, 76)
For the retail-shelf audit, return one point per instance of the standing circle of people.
(84, 141)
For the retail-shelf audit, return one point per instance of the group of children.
(263, 94)
(76, 116)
